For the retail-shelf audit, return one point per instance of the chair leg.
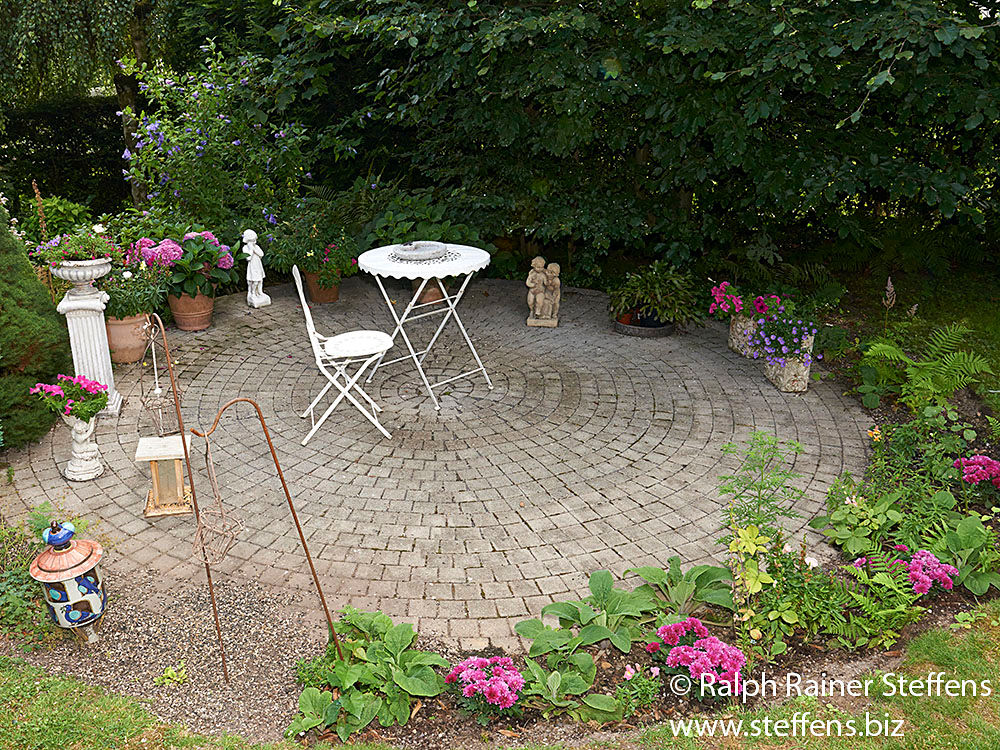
(316, 400)
(351, 384)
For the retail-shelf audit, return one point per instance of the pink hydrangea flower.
(226, 261)
(166, 253)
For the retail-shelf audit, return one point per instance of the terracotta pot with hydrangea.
(198, 264)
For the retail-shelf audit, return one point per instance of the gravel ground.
(151, 624)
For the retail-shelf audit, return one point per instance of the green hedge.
(34, 345)
(73, 149)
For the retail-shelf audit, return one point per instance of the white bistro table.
(458, 260)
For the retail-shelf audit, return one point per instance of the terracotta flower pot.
(317, 294)
(192, 313)
(125, 338)
(431, 293)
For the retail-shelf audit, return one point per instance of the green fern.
(937, 372)
(994, 428)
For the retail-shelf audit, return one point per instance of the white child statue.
(255, 271)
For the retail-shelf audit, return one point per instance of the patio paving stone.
(593, 450)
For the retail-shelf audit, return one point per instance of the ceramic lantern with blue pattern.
(73, 586)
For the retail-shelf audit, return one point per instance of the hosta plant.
(379, 677)
(686, 592)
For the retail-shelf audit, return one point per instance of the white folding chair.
(338, 352)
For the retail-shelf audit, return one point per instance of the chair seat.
(357, 344)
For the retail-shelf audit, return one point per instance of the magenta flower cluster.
(725, 301)
(710, 661)
(763, 304)
(923, 568)
(495, 680)
(976, 469)
(687, 644)
(670, 635)
(58, 398)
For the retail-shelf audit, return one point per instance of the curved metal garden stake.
(291, 506)
(194, 495)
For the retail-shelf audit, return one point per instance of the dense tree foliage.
(661, 126)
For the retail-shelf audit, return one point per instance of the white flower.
(127, 275)
(812, 562)
(787, 549)
(99, 228)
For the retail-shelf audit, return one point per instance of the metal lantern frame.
(216, 532)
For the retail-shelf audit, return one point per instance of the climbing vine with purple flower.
(206, 149)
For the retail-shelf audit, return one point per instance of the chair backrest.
(310, 326)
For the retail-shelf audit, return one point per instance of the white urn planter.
(83, 306)
(741, 328)
(85, 461)
(794, 376)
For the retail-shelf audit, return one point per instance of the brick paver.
(594, 450)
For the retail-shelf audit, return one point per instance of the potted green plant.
(197, 265)
(77, 258)
(652, 302)
(314, 242)
(135, 288)
(78, 401)
(325, 269)
(784, 340)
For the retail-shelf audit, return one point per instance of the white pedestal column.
(83, 307)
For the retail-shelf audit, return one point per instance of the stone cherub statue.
(255, 271)
(543, 294)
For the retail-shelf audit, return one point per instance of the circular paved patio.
(593, 450)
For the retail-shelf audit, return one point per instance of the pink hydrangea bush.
(74, 396)
(486, 687)
(979, 469)
(687, 648)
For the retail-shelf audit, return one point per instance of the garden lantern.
(169, 496)
(73, 586)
